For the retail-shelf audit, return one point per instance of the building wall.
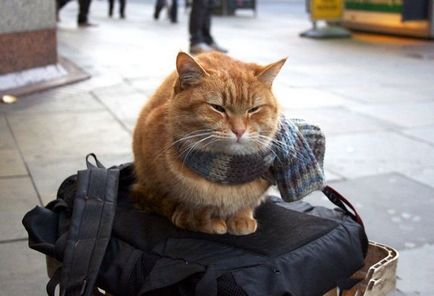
(27, 34)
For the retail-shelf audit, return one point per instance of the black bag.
(103, 241)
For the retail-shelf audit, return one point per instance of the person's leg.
(60, 4)
(123, 3)
(158, 7)
(84, 11)
(111, 5)
(198, 10)
(206, 26)
(174, 11)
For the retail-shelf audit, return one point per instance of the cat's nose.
(238, 131)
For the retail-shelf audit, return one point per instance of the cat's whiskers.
(186, 137)
(275, 142)
(264, 145)
(209, 143)
(191, 148)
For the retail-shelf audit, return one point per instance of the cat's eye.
(218, 108)
(254, 109)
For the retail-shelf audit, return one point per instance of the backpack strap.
(91, 225)
(337, 198)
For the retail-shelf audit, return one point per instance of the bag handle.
(91, 225)
(89, 164)
(336, 198)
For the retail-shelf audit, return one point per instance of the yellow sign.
(327, 10)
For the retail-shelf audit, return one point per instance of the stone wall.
(27, 34)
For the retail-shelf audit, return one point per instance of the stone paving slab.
(394, 208)
(402, 114)
(125, 103)
(51, 102)
(425, 133)
(148, 85)
(63, 135)
(422, 175)
(17, 197)
(49, 174)
(362, 154)
(338, 120)
(295, 98)
(11, 163)
(381, 94)
(23, 270)
(415, 271)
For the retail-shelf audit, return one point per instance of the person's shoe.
(217, 47)
(87, 25)
(200, 48)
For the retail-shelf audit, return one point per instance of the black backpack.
(100, 239)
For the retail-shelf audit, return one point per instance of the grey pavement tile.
(49, 174)
(324, 74)
(63, 135)
(381, 93)
(425, 133)
(294, 98)
(403, 114)
(103, 78)
(338, 120)
(23, 270)
(17, 196)
(11, 163)
(114, 91)
(362, 154)
(416, 271)
(396, 210)
(52, 101)
(423, 175)
(125, 102)
(147, 85)
(331, 176)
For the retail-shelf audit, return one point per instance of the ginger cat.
(211, 103)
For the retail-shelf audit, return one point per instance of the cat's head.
(223, 105)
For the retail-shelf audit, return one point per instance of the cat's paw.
(215, 226)
(190, 220)
(240, 225)
(181, 218)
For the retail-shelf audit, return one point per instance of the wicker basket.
(378, 275)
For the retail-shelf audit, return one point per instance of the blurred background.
(69, 90)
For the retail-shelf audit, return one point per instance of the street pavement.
(372, 95)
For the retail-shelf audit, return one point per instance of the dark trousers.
(84, 6)
(122, 4)
(173, 12)
(200, 22)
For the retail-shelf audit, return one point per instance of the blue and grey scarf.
(294, 162)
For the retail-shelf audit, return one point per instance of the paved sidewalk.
(372, 95)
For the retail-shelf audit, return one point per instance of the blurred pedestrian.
(173, 10)
(122, 4)
(200, 28)
(84, 6)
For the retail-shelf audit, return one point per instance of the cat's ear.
(268, 73)
(190, 72)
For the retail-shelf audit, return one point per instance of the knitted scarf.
(294, 161)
